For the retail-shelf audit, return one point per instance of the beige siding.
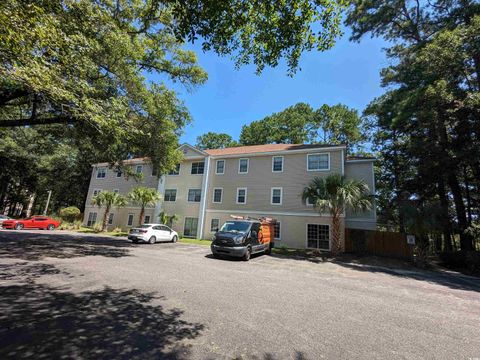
(361, 171)
(260, 179)
(293, 229)
(120, 216)
(182, 182)
(124, 186)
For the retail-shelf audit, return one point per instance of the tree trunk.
(447, 228)
(466, 242)
(105, 215)
(142, 213)
(336, 234)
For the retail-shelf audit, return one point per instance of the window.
(217, 195)
(197, 168)
(116, 191)
(190, 228)
(318, 162)
(170, 195)
(194, 195)
(241, 195)
(318, 236)
(276, 231)
(154, 171)
(277, 163)
(147, 219)
(110, 219)
(96, 192)
(176, 171)
(139, 169)
(130, 220)
(276, 196)
(101, 173)
(92, 219)
(214, 225)
(309, 202)
(220, 167)
(119, 174)
(243, 166)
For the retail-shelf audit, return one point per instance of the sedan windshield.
(240, 227)
(144, 226)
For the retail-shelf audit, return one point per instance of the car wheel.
(152, 240)
(51, 227)
(247, 255)
(174, 239)
(19, 227)
(135, 241)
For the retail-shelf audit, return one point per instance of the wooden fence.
(380, 243)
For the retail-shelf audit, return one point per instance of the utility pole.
(48, 201)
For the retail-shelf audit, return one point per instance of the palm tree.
(335, 194)
(167, 219)
(108, 199)
(144, 197)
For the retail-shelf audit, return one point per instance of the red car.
(34, 222)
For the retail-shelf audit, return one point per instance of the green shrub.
(76, 225)
(117, 230)
(70, 214)
(97, 227)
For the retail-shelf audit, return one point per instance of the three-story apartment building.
(262, 180)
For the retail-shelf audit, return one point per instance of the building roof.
(366, 158)
(265, 148)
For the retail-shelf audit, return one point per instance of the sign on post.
(411, 239)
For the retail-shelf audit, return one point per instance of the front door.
(190, 228)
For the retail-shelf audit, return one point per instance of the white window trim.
(211, 224)
(316, 170)
(279, 238)
(213, 197)
(248, 165)
(194, 202)
(145, 219)
(329, 236)
(97, 192)
(113, 218)
(104, 177)
(273, 161)
(88, 218)
(216, 162)
(196, 162)
(176, 195)
(308, 204)
(236, 198)
(271, 195)
(133, 219)
(136, 169)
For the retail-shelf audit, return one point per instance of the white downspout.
(203, 204)
(158, 205)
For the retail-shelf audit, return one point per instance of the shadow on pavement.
(32, 246)
(394, 267)
(38, 321)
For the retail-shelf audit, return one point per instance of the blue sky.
(348, 74)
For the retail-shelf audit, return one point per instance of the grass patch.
(195, 241)
(86, 230)
(290, 252)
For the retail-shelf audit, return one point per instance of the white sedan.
(152, 233)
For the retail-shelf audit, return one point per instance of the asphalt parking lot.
(88, 296)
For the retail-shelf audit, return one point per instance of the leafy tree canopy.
(83, 62)
(300, 123)
(213, 140)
